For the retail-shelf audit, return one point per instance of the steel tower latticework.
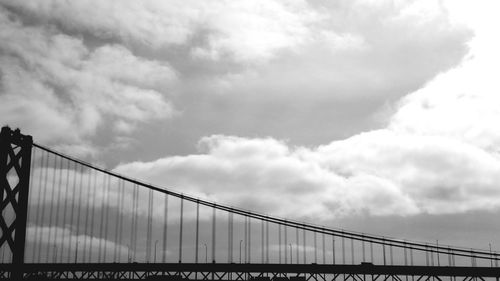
(15, 159)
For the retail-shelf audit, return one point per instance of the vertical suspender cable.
(92, 217)
(66, 189)
(249, 240)
(165, 229)
(72, 209)
(383, 250)
(405, 253)
(432, 256)
(30, 195)
(363, 248)
(30, 198)
(44, 191)
(245, 238)
(51, 208)
(59, 187)
(343, 248)
(180, 230)
(101, 223)
(333, 249)
(315, 240)
(471, 258)
(411, 256)
(87, 211)
(323, 243)
(267, 241)
(286, 244)
(279, 243)
(78, 212)
(352, 250)
(371, 251)
(213, 233)
(262, 241)
(232, 236)
(117, 220)
(449, 256)
(149, 226)
(32, 175)
(136, 219)
(120, 229)
(304, 245)
(132, 222)
(426, 256)
(106, 214)
(437, 253)
(390, 253)
(197, 238)
(38, 205)
(229, 236)
(297, 245)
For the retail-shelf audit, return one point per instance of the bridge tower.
(15, 160)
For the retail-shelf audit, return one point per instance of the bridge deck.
(363, 269)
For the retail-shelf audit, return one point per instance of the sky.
(375, 116)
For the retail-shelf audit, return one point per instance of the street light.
(290, 253)
(241, 241)
(128, 253)
(156, 242)
(55, 254)
(491, 261)
(76, 253)
(206, 253)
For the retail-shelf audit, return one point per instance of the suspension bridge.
(63, 218)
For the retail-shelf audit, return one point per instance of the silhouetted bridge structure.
(63, 218)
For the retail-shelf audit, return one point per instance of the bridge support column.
(15, 160)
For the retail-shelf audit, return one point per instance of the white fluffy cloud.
(380, 173)
(437, 155)
(462, 103)
(58, 89)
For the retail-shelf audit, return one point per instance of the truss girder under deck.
(255, 272)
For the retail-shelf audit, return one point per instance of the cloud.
(463, 102)
(253, 173)
(438, 155)
(52, 244)
(144, 22)
(242, 30)
(347, 42)
(251, 31)
(379, 173)
(122, 61)
(53, 80)
(426, 160)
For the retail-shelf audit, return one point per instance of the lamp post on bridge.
(291, 261)
(206, 252)
(156, 242)
(241, 241)
(491, 261)
(76, 252)
(128, 253)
